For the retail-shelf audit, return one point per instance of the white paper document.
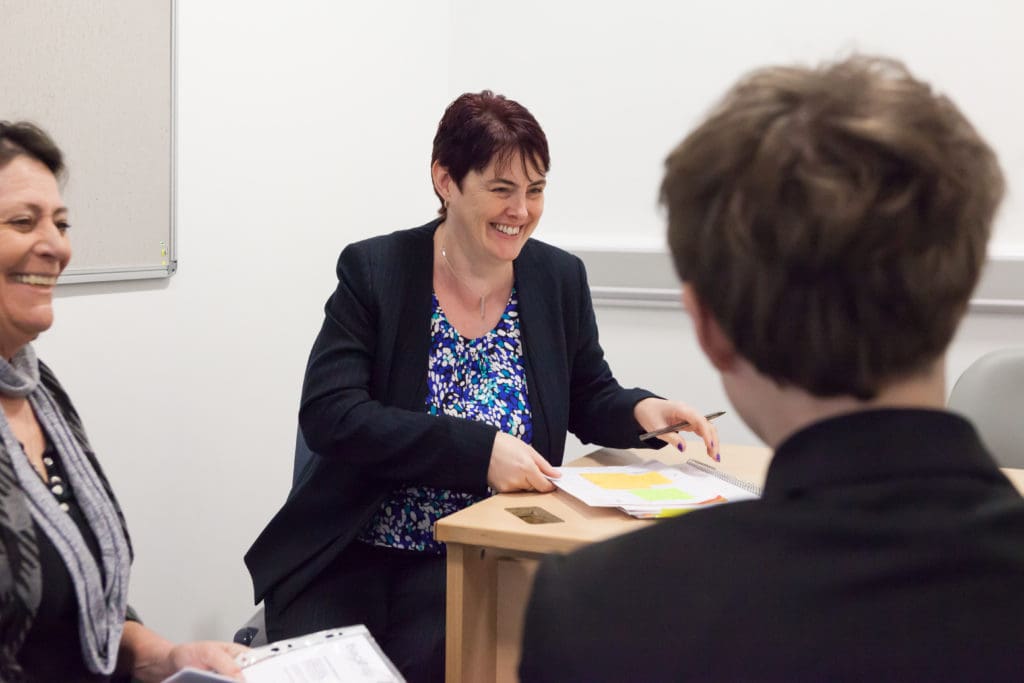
(342, 655)
(348, 655)
(653, 489)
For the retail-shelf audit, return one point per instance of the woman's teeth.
(511, 230)
(43, 280)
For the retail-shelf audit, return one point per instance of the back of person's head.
(834, 221)
(478, 128)
(22, 138)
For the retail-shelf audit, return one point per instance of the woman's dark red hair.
(478, 128)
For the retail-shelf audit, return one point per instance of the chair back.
(305, 458)
(254, 632)
(990, 393)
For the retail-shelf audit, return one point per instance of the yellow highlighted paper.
(621, 480)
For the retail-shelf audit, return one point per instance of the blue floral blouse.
(481, 379)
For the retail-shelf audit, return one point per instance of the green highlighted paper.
(655, 495)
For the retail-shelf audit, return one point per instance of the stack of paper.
(654, 489)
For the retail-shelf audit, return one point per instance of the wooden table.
(493, 553)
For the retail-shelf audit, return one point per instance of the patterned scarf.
(101, 591)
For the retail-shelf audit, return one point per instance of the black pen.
(677, 426)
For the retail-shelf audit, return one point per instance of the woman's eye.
(537, 190)
(63, 226)
(22, 223)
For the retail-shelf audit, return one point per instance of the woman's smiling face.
(34, 250)
(497, 209)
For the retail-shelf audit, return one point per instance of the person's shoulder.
(593, 594)
(551, 269)
(46, 374)
(398, 252)
(397, 241)
(542, 252)
(720, 526)
(649, 562)
(49, 380)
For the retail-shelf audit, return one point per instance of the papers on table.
(654, 489)
(348, 655)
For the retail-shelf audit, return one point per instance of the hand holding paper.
(340, 655)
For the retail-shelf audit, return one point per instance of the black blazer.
(363, 401)
(887, 547)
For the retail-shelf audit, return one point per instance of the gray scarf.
(102, 592)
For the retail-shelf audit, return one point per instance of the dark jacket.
(887, 546)
(363, 401)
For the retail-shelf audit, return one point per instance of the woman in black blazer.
(452, 360)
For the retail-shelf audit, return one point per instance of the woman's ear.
(712, 339)
(443, 182)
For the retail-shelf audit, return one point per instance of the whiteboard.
(616, 85)
(98, 76)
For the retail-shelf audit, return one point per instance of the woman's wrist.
(639, 410)
(144, 654)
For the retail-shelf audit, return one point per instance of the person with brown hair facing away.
(829, 225)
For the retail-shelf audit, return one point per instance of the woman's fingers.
(516, 466)
(545, 468)
(654, 413)
(538, 482)
(674, 439)
(703, 428)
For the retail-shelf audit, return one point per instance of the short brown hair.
(834, 220)
(480, 127)
(22, 138)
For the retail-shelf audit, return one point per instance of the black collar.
(875, 445)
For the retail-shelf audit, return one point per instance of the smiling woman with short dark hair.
(452, 360)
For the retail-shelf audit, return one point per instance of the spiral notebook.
(725, 476)
(655, 489)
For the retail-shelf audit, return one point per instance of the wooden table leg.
(515, 579)
(470, 615)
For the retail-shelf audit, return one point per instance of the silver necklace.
(483, 297)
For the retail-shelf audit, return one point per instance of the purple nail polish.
(680, 447)
(718, 457)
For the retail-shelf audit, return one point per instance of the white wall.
(617, 84)
(303, 126)
(669, 361)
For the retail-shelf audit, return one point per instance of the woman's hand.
(516, 466)
(151, 657)
(656, 413)
(208, 655)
